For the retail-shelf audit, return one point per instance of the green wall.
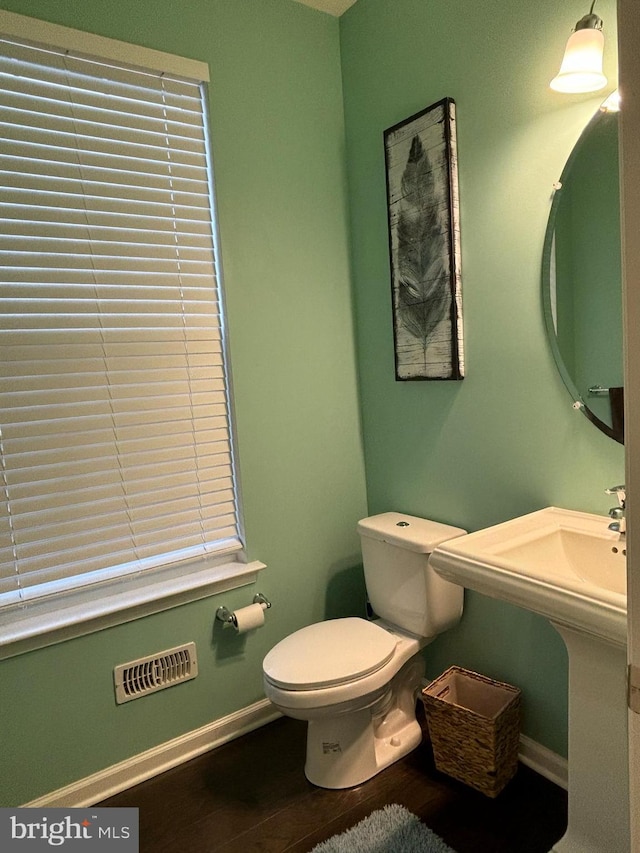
(278, 144)
(505, 440)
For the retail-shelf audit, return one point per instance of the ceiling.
(333, 7)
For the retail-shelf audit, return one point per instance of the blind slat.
(110, 497)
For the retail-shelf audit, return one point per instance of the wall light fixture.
(581, 69)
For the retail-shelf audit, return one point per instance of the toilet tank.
(403, 589)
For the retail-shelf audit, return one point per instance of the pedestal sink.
(569, 567)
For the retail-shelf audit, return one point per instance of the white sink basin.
(565, 565)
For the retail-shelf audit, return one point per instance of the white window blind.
(115, 441)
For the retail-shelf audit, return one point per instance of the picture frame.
(424, 244)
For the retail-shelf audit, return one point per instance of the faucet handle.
(620, 492)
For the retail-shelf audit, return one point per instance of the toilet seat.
(329, 653)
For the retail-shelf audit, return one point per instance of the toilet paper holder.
(229, 617)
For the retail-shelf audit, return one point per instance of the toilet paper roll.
(247, 618)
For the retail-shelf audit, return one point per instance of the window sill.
(83, 611)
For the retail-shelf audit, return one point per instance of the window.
(116, 451)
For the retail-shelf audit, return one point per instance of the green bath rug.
(392, 829)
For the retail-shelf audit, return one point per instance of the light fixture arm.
(590, 21)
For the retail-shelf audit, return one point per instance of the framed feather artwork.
(424, 244)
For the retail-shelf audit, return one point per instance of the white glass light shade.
(581, 69)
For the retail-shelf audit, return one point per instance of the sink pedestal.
(571, 568)
(598, 746)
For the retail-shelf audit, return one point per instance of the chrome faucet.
(619, 525)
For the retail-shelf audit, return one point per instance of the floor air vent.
(146, 675)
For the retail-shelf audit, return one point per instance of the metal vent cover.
(155, 672)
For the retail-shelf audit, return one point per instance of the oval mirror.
(582, 279)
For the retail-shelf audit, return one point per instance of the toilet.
(356, 681)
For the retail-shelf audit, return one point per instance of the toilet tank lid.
(408, 531)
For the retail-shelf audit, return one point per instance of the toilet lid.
(328, 653)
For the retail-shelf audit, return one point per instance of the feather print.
(422, 250)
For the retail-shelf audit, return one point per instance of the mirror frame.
(615, 434)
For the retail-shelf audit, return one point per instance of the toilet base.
(347, 749)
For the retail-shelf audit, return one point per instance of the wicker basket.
(474, 724)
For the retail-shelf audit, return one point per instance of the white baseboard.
(112, 780)
(105, 783)
(545, 762)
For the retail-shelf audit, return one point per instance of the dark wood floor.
(251, 795)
